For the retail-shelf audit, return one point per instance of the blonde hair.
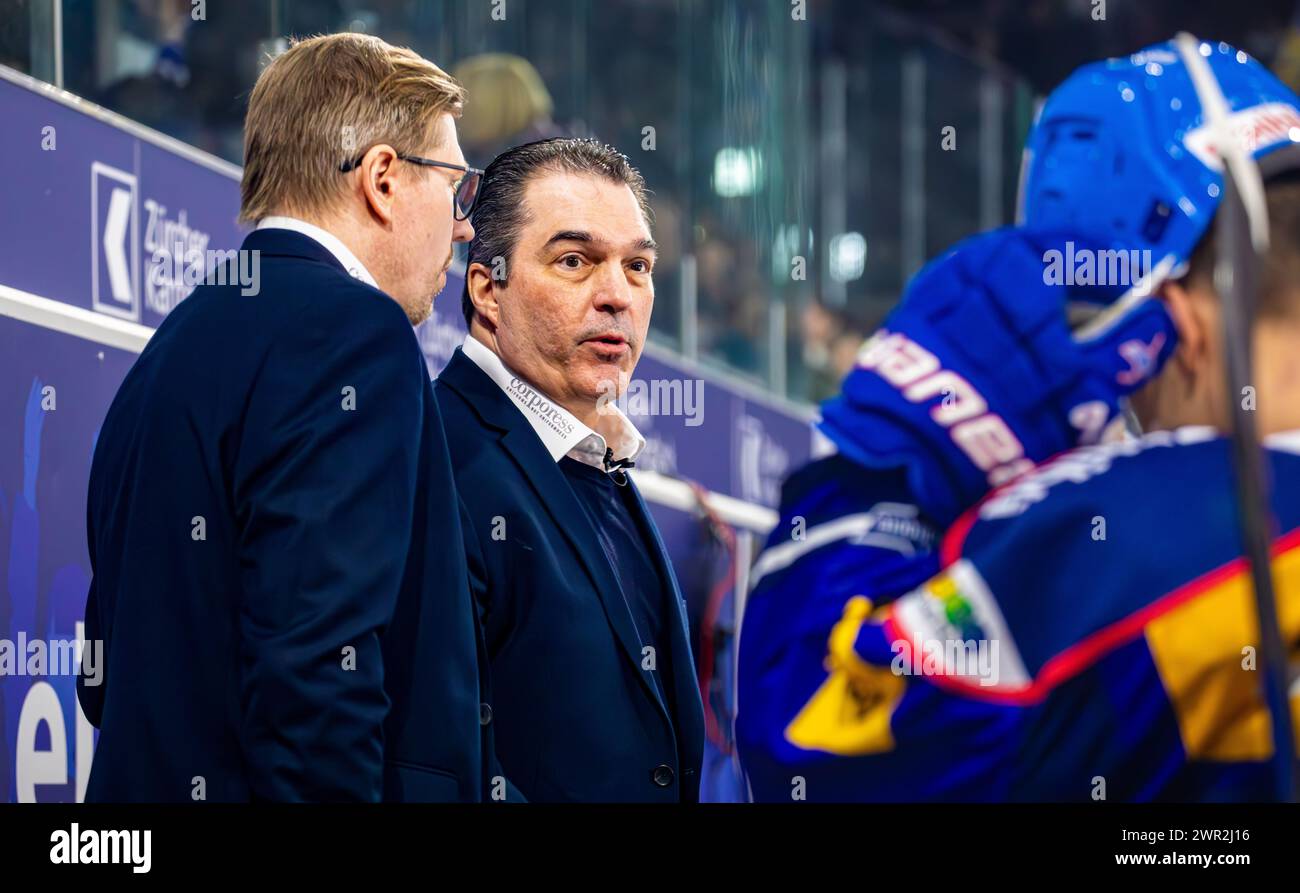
(325, 101)
(509, 97)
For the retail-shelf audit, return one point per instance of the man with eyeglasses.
(274, 530)
(464, 186)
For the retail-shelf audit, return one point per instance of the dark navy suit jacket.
(576, 716)
(275, 541)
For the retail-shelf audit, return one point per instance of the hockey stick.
(1242, 229)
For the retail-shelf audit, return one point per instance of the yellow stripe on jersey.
(1205, 650)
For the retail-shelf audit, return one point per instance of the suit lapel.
(555, 493)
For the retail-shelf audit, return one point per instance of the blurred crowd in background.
(805, 158)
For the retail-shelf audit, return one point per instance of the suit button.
(662, 776)
(484, 714)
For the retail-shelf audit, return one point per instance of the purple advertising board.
(91, 212)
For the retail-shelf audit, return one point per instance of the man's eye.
(640, 266)
(571, 261)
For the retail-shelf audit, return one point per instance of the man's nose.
(463, 231)
(613, 294)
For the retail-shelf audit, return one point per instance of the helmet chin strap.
(1242, 230)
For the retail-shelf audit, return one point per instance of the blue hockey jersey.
(1085, 632)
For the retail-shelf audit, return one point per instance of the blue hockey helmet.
(1121, 152)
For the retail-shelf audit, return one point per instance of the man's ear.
(483, 293)
(1188, 311)
(378, 173)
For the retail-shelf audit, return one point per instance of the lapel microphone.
(617, 468)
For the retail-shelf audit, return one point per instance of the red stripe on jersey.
(1083, 654)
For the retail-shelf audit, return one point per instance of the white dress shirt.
(560, 430)
(330, 242)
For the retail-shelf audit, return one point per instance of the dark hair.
(500, 212)
(1279, 280)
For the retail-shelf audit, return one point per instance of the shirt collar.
(330, 242)
(1287, 441)
(560, 430)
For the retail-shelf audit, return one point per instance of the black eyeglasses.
(466, 187)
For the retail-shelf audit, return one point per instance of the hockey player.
(1087, 630)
